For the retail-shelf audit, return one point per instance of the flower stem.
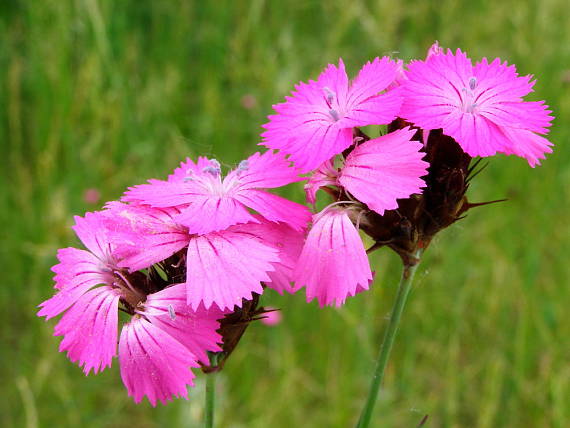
(210, 395)
(403, 291)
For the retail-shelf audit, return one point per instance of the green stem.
(210, 395)
(389, 336)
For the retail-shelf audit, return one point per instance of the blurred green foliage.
(105, 94)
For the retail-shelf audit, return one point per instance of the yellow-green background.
(105, 94)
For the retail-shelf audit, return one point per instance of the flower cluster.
(188, 257)
(404, 186)
(178, 256)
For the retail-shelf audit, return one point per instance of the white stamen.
(334, 114)
(189, 175)
(171, 312)
(472, 83)
(243, 165)
(471, 108)
(214, 168)
(329, 95)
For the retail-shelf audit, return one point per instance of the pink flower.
(157, 347)
(248, 101)
(272, 317)
(333, 264)
(480, 106)
(91, 196)
(208, 204)
(384, 169)
(316, 122)
(226, 267)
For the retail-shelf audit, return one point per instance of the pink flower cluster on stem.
(480, 106)
(181, 254)
(197, 229)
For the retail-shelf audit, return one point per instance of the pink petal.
(196, 330)
(287, 241)
(90, 329)
(78, 272)
(275, 208)
(144, 235)
(333, 263)
(378, 110)
(154, 364)
(226, 267)
(163, 194)
(385, 169)
(335, 79)
(188, 167)
(92, 232)
(264, 171)
(211, 213)
(528, 145)
(325, 175)
(373, 78)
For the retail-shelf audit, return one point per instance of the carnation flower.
(333, 264)
(316, 122)
(208, 203)
(164, 338)
(480, 106)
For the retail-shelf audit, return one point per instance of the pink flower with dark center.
(380, 171)
(157, 347)
(316, 122)
(480, 106)
(208, 203)
(333, 264)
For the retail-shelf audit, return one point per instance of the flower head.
(208, 203)
(316, 122)
(480, 106)
(163, 340)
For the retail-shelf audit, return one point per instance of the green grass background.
(105, 94)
